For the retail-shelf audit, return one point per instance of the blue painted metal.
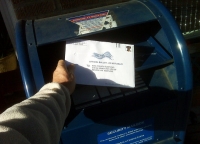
(86, 130)
(23, 59)
(178, 44)
(181, 62)
(159, 49)
(33, 56)
(156, 58)
(59, 28)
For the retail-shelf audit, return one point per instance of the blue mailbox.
(155, 111)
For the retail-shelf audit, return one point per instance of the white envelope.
(102, 63)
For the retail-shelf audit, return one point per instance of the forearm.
(38, 119)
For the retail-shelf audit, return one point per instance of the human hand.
(65, 75)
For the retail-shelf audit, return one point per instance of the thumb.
(61, 63)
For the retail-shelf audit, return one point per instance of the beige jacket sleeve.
(37, 120)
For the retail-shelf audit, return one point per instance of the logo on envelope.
(101, 56)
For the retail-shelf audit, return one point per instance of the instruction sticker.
(93, 22)
(137, 133)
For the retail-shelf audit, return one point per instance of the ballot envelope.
(102, 63)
